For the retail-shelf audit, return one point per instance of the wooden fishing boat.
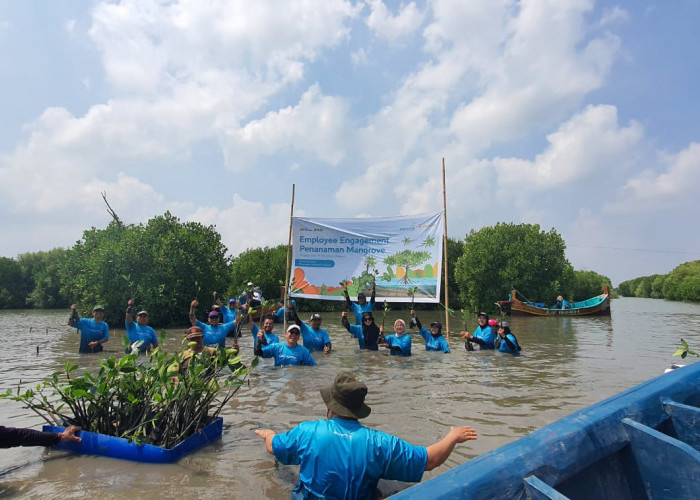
(641, 443)
(595, 306)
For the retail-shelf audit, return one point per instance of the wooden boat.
(641, 443)
(595, 306)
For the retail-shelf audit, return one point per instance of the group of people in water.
(338, 456)
(226, 320)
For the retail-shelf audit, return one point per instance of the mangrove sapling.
(412, 293)
(146, 400)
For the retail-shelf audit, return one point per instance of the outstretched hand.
(462, 434)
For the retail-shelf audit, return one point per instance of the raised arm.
(74, 316)
(440, 451)
(193, 318)
(344, 319)
(415, 318)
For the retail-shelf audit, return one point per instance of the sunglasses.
(367, 319)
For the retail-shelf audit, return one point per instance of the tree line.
(165, 263)
(683, 283)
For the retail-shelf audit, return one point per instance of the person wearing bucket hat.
(214, 332)
(362, 305)
(367, 333)
(313, 336)
(341, 458)
(194, 334)
(286, 353)
(139, 330)
(506, 341)
(434, 341)
(483, 334)
(93, 332)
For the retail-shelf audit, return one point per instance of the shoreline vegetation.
(164, 264)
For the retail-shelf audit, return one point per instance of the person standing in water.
(362, 306)
(93, 332)
(399, 342)
(341, 458)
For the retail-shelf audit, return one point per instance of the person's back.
(352, 461)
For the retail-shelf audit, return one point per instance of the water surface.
(566, 364)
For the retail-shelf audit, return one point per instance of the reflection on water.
(566, 364)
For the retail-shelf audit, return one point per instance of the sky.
(578, 115)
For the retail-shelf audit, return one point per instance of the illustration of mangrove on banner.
(403, 255)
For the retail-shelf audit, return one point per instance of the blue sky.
(577, 115)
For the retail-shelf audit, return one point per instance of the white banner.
(403, 254)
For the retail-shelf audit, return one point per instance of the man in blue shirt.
(93, 332)
(315, 338)
(139, 330)
(214, 333)
(285, 353)
(341, 458)
(483, 334)
(267, 325)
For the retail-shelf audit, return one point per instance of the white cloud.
(317, 126)
(268, 226)
(393, 27)
(674, 183)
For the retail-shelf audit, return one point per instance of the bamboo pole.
(444, 243)
(289, 255)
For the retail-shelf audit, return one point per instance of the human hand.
(381, 329)
(413, 313)
(344, 314)
(69, 434)
(73, 307)
(130, 303)
(465, 335)
(265, 433)
(462, 434)
(194, 303)
(326, 350)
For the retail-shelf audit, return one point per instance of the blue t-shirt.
(136, 332)
(356, 331)
(504, 346)
(342, 459)
(404, 342)
(314, 340)
(229, 314)
(434, 343)
(91, 331)
(216, 335)
(270, 337)
(358, 310)
(285, 355)
(486, 334)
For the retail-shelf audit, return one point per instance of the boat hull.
(641, 443)
(596, 306)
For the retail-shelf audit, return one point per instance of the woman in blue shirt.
(399, 343)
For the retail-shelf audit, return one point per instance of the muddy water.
(566, 364)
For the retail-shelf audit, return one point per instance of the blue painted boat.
(641, 443)
(116, 447)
